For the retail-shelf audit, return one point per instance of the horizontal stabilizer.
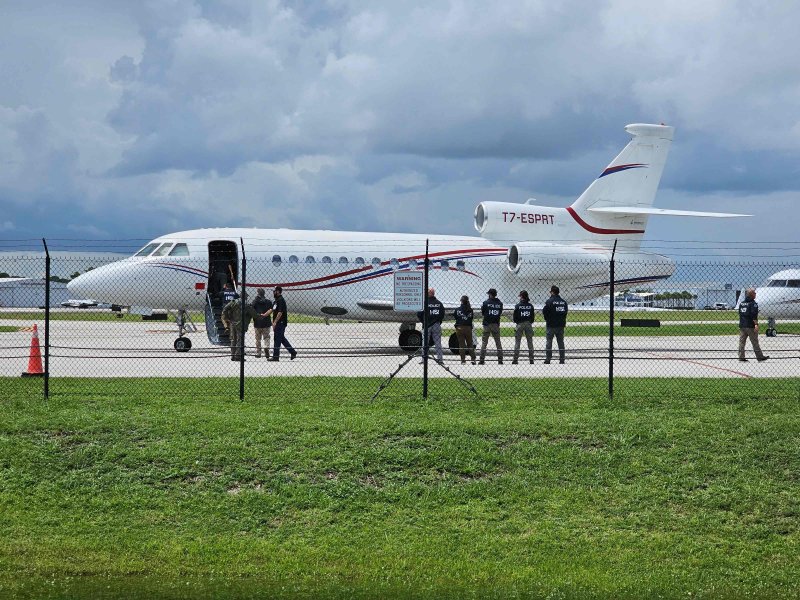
(639, 210)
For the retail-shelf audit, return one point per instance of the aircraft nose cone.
(83, 286)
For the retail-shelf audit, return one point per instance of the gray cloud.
(131, 119)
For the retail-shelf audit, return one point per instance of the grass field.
(143, 488)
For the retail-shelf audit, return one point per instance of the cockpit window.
(163, 249)
(777, 283)
(793, 283)
(180, 250)
(147, 249)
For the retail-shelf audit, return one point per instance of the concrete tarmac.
(144, 349)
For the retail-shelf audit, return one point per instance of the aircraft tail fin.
(629, 181)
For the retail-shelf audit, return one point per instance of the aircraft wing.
(639, 210)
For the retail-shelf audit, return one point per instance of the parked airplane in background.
(349, 274)
(779, 297)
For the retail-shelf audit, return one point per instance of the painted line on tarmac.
(697, 362)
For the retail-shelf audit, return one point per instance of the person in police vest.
(228, 293)
(748, 326)
(492, 310)
(523, 317)
(464, 315)
(555, 316)
(232, 320)
(435, 318)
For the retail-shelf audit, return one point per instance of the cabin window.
(359, 260)
(376, 262)
(343, 260)
(276, 260)
(395, 264)
(793, 283)
(327, 260)
(163, 250)
(310, 260)
(461, 265)
(445, 265)
(147, 249)
(180, 250)
(293, 259)
(777, 283)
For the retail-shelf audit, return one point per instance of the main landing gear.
(411, 339)
(185, 325)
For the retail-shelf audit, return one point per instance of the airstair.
(217, 334)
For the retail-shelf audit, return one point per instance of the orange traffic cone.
(35, 361)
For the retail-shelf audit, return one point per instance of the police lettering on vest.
(491, 309)
(748, 313)
(523, 312)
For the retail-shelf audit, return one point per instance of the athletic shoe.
(762, 359)
(294, 355)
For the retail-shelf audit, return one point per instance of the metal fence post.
(425, 326)
(243, 324)
(46, 320)
(611, 324)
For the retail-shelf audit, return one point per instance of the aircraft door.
(223, 266)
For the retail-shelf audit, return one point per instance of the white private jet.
(779, 297)
(350, 274)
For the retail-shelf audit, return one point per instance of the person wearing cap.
(232, 320)
(523, 317)
(555, 316)
(262, 323)
(492, 310)
(434, 330)
(279, 321)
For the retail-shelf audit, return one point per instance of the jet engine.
(511, 221)
(554, 262)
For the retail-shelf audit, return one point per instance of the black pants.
(280, 339)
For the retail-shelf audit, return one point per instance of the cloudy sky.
(127, 120)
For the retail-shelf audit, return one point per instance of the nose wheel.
(183, 344)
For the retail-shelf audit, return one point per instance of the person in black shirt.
(262, 322)
(463, 315)
(748, 326)
(279, 321)
(555, 316)
(435, 318)
(492, 310)
(523, 317)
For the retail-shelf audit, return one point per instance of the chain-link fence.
(163, 315)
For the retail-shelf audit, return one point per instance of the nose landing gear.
(771, 332)
(185, 325)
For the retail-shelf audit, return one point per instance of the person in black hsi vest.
(555, 316)
(434, 330)
(463, 315)
(523, 317)
(492, 310)
(748, 325)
